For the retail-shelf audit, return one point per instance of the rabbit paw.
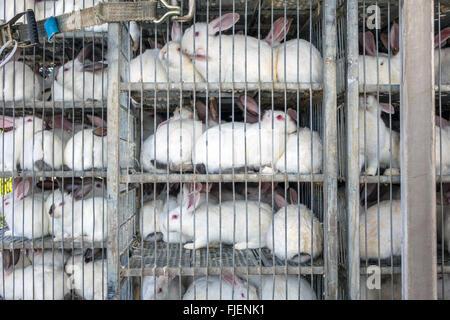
(196, 245)
(242, 246)
(8, 233)
(371, 171)
(395, 172)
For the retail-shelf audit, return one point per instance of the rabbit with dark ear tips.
(309, 231)
(84, 70)
(87, 149)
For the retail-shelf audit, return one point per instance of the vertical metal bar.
(330, 147)
(417, 148)
(114, 45)
(352, 174)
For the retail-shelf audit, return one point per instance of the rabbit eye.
(98, 185)
(197, 33)
(66, 69)
(174, 216)
(30, 120)
(280, 117)
(6, 203)
(242, 295)
(60, 204)
(178, 49)
(159, 290)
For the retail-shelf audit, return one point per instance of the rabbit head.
(157, 288)
(240, 288)
(21, 190)
(99, 125)
(281, 202)
(29, 123)
(90, 59)
(213, 112)
(371, 105)
(186, 210)
(200, 32)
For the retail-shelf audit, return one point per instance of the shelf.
(189, 177)
(56, 105)
(45, 243)
(51, 174)
(171, 259)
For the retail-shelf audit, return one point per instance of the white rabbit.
(442, 58)
(376, 69)
(13, 259)
(221, 288)
(372, 138)
(21, 82)
(189, 188)
(87, 149)
(381, 228)
(303, 153)
(240, 143)
(225, 193)
(297, 60)
(87, 220)
(88, 279)
(35, 282)
(147, 67)
(48, 146)
(268, 291)
(170, 56)
(148, 124)
(52, 258)
(176, 138)
(251, 69)
(161, 288)
(309, 231)
(24, 215)
(442, 130)
(221, 223)
(89, 81)
(12, 141)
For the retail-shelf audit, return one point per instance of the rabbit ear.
(98, 122)
(200, 108)
(176, 32)
(441, 122)
(223, 23)
(386, 107)
(154, 45)
(444, 34)
(294, 196)
(265, 186)
(293, 114)
(276, 34)
(82, 191)
(100, 132)
(22, 189)
(6, 122)
(59, 122)
(367, 40)
(395, 38)
(95, 66)
(84, 53)
(191, 202)
(229, 278)
(213, 114)
(279, 200)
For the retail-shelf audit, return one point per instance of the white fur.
(310, 63)
(216, 288)
(369, 118)
(443, 213)
(87, 148)
(445, 65)
(309, 247)
(92, 284)
(304, 149)
(26, 85)
(207, 146)
(152, 69)
(369, 224)
(267, 290)
(225, 214)
(442, 139)
(166, 288)
(373, 70)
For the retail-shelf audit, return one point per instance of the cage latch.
(10, 35)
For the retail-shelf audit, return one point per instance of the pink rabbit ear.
(294, 196)
(265, 186)
(444, 34)
(213, 114)
(176, 32)
(154, 45)
(276, 34)
(223, 23)
(395, 38)
(6, 122)
(386, 107)
(441, 122)
(229, 278)
(293, 114)
(252, 105)
(82, 191)
(367, 40)
(22, 189)
(59, 122)
(279, 200)
(97, 122)
(200, 108)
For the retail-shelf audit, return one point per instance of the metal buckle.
(8, 32)
(173, 11)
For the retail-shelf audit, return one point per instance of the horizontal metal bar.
(216, 86)
(371, 88)
(48, 243)
(53, 174)
(68, 104)
(444, 88)
(190, 177)
(197, 271)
